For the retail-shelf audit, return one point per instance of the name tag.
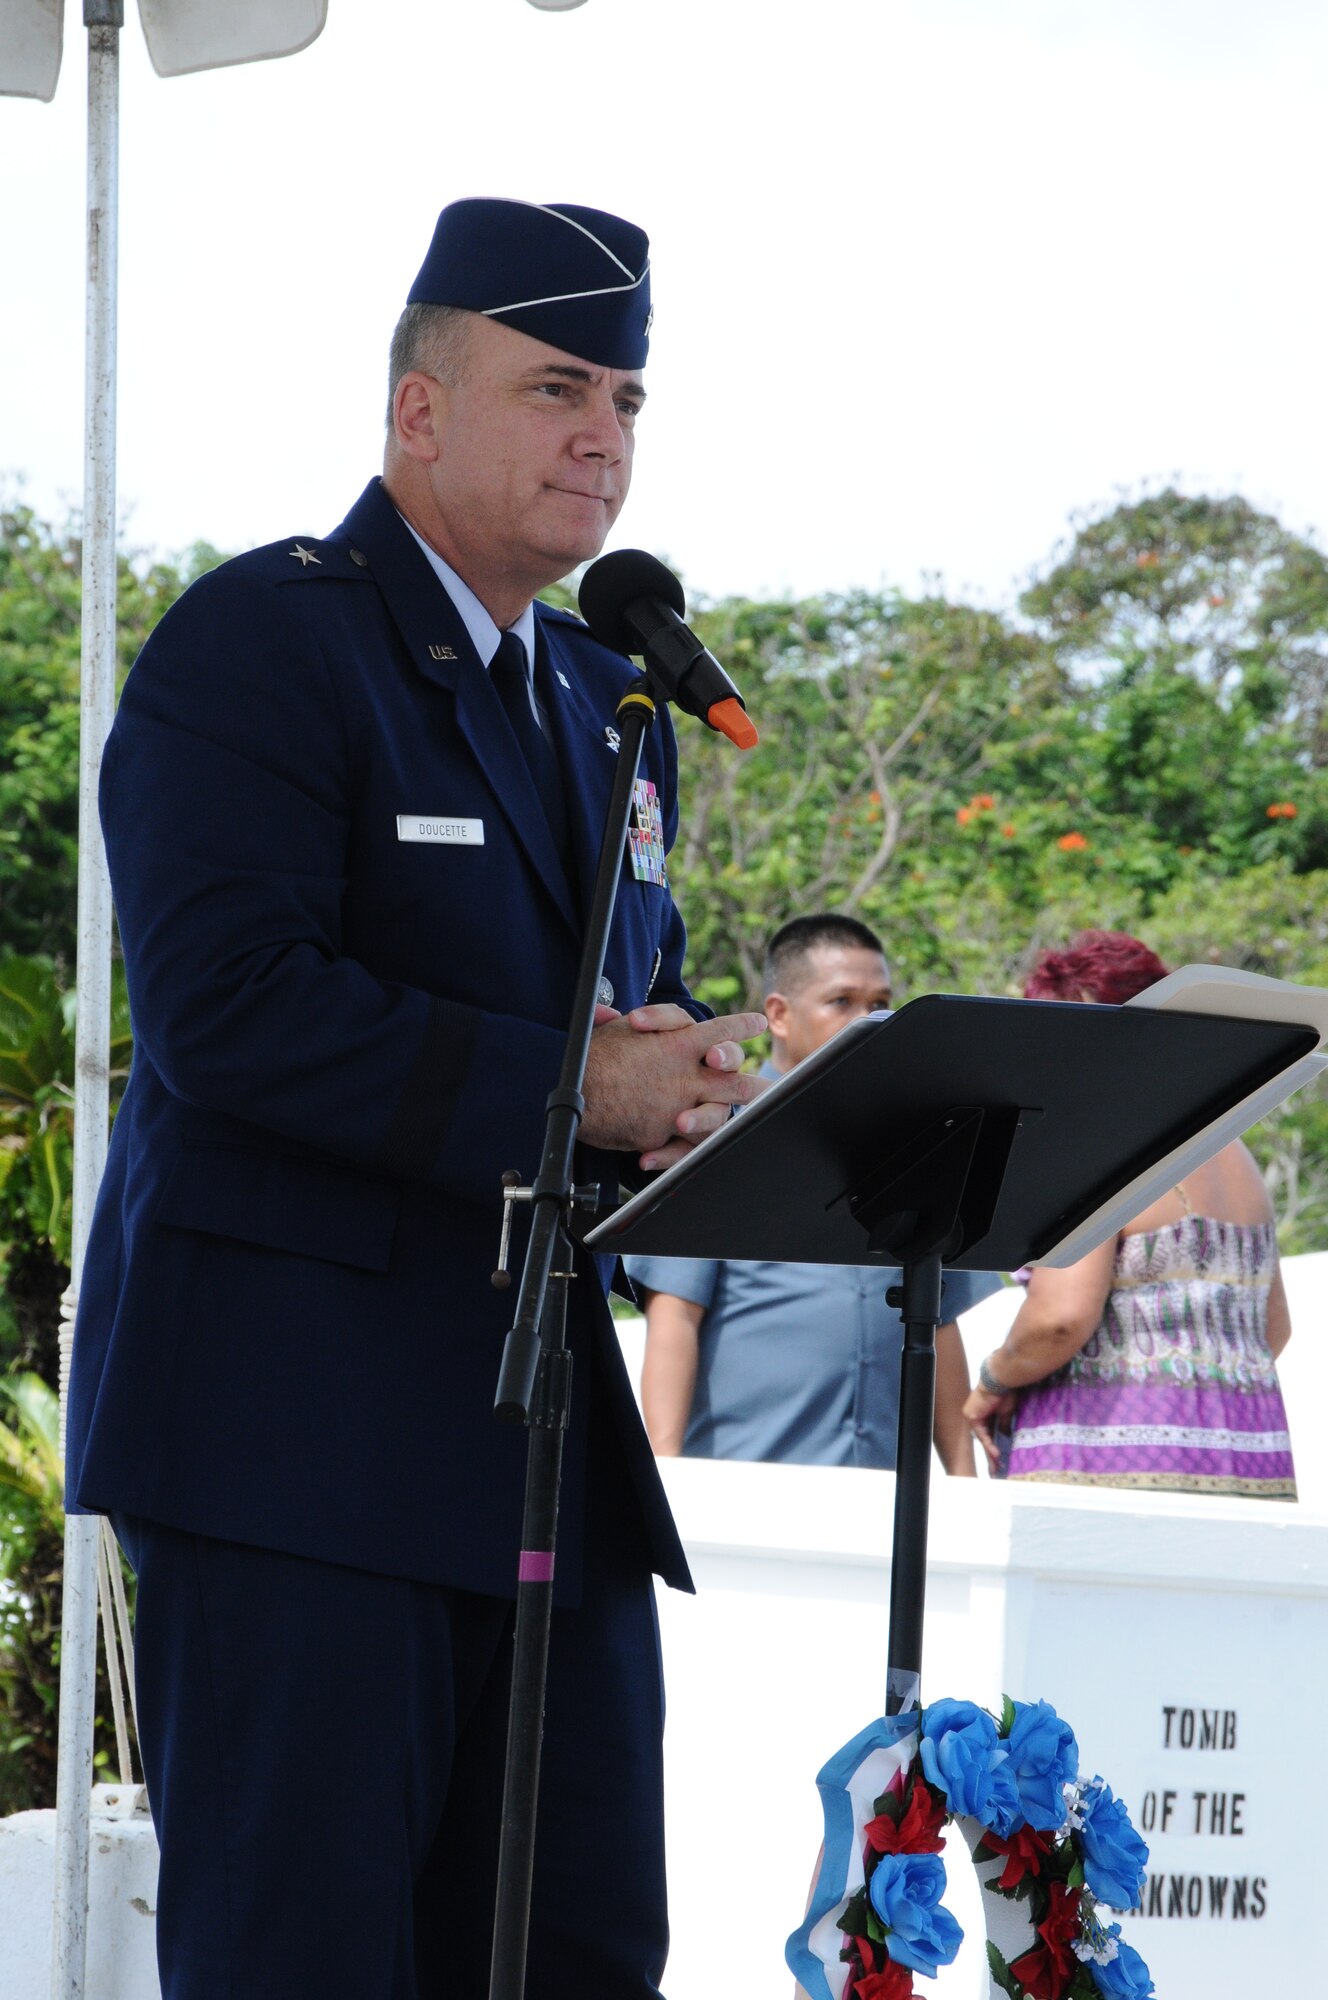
(446, 832)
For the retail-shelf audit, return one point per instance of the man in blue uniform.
(797, 1363)
(352, 804)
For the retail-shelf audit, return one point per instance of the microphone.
(634, 604)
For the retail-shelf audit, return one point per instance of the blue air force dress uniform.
(351, 941)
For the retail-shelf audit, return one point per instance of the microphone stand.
(535, 1379)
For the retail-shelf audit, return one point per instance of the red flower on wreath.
(892, 1982)
(1045, 1972)
(916, 1831)
(886, 1981)
(1024, 1852)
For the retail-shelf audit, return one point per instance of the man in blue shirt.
(796, 1362)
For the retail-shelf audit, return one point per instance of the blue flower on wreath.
(963, 1756)
(1044, 1758)
(1115, 1857)
(1124, 1976)
(906, 1891)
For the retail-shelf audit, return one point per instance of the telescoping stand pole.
(534, 1382)
(919, 1303)
(938, 1192)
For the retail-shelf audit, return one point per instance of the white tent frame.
(182, 36)
(176, 44)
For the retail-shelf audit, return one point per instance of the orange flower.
(984, 802)
(1282, 809)
(1072, 843)
(1008, 831)
(964, 815)
(1148, 560)
(875, 798)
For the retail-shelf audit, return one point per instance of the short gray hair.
(432, 339)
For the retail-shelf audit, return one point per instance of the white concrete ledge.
(122, 1929)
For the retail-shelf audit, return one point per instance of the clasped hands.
(658, 1082)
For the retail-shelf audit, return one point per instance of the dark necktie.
(507, 670)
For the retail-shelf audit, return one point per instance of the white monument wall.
(1182, 1637)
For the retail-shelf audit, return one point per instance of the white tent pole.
(78, 1649)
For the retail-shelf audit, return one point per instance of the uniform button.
(358, 556)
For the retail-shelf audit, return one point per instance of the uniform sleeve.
(691, 1278)
(226, 796)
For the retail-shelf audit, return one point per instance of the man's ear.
(417, 413)
(776, 1009)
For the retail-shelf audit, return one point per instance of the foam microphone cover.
(616, 581)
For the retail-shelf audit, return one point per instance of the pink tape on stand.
(535, 1566)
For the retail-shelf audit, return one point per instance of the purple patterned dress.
(1176, 1389)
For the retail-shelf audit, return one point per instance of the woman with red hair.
(1150, 1362)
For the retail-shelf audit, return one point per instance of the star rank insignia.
(304, 556)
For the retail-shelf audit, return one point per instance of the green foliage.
(1147, 751)
(40, 591)
(1002, 1974)
(31, 1568)
(40, 595)
(31, 1553)
(875, 713)
(36, 1102)
(1271, 920)
(30, 1464)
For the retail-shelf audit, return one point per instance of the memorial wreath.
(1055, 1854)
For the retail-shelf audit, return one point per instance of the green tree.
(31, 1570)
(40, 596)
(37, 1149)
(1270, 920)
(875, 713)
(1141, 755)
(31, 1563)
(1202, 626)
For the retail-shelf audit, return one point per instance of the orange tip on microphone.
(731, 719)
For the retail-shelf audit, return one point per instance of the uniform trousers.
(323, 1749)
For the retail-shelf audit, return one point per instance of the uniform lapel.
(440, 647)
(581, 739)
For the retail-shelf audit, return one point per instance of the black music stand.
(983, 1135)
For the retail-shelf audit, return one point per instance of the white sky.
(929, 274)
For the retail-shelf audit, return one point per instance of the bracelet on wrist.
(989, 1382)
